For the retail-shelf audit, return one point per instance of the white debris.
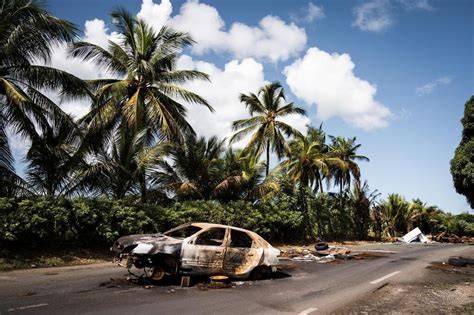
(311, 257)
(414, 235)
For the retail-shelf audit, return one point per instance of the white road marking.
(385, 277)
(460, 249)
(308, 311)
(26, 307)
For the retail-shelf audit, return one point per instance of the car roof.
(206, 225)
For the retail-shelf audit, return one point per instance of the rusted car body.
(198, 249)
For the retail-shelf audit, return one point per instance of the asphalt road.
(310, 288)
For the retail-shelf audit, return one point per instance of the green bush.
(94, 222)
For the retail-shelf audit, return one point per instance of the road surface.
(311, 288)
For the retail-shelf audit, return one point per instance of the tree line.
(136, 143)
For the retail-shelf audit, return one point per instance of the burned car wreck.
(198, 249)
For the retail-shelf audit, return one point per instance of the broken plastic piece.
(414, 235)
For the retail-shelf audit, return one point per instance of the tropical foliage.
(462, 165)
(134, 164)
(265, 108)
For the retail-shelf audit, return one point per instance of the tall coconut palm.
(145, 88)
(346, 150)
(28, 34)
(421, 215)
(394, 212)
(362, 200)
(243, 178)
(266, 108)
(308, 162)
(192, 170)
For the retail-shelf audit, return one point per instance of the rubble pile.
(445, 237)
(331, 253)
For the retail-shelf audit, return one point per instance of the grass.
(52, 258)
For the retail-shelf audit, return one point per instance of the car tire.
(457, 262)
(321, 246)
(469, 261)
(157, 273)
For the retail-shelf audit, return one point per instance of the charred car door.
(204, 253)
(242, 255)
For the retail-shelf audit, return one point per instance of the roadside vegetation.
(133, 163)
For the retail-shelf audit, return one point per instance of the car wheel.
(157, 273)
(321, 246)
(457, 262)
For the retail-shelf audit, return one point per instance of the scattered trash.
(445, 237)
(214, 285)
(237, 283)
(344, 257)
(319, 259)
(415, 235)
(334, 250)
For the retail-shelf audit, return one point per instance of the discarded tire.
(457, 262)
(321, 246)
(469, 261)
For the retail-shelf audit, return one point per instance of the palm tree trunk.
(268, 158)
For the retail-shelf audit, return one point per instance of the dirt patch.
(370, 255)
(443, 290)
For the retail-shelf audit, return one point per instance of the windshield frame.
(181, 227)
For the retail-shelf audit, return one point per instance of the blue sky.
(393, 73)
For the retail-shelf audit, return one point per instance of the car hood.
(143, 244)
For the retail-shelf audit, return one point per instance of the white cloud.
(95, 32)
(223, 94)
(378, 15)
(314, 13)
(429, 87)
(328, 81)
(309, 13)
(416, 4)
(373, 16)
(155, 14)
(272, 39)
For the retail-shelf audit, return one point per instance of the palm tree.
(308, 163)
(422, 216)
(52, 158)
(192, 170)
(28, 35)
(346, 150)
(121, 165)
(145, 89)
(362, 200)
(266, 107)
(394, 212)
(243, 178)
